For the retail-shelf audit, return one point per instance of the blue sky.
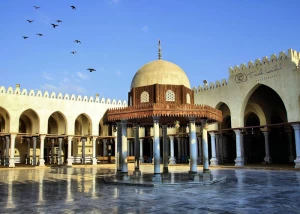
(119, 36)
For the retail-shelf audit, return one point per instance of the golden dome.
(160, 72)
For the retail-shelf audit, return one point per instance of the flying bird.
(73, 7)
(36, 7)
(39, 34)
(25, 37)
(54, 25)
(58, 21)
(77, 41)
(73, 52)
(30, 21)
(91, 69)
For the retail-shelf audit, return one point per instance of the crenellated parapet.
(210, 86)
(60, 96)
(274, 63)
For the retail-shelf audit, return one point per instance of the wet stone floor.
(81, 190)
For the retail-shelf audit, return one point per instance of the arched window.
(144, 97)
(188, 98)
(170, 95)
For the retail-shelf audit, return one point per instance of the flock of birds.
(54, 26)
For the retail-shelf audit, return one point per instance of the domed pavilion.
(160, 96)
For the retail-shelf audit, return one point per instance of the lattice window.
(188, 98)
(170, 95)
(144, 97)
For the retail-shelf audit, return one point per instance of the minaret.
(159, 50)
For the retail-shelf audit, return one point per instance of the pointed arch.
(57, 123)
(4, 120)
(83, 125)
(29, 122)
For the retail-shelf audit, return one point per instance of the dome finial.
(159, 50)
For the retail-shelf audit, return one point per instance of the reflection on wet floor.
(80, 190)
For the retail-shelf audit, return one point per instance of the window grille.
(188, 98)
(170, 95)
(144, 97)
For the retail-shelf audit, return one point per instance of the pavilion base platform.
(173, 179)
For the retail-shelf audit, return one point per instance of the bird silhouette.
(73, 7)
(25, 37)
(58, 21)
(91, 69)
(77, 41)
(54, 25)
(39, 34)
(36, 7)
(30, 21)
(73, 52)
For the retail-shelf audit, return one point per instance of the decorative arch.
(29, 122)
(83, 125)
(256, 109)
(144, 97)
(57, 123)
(188, 98)
(170, 96)
(4, 120)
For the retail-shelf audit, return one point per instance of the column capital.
(141, 140)
(192, 119)
(156, 119)
(124, 122)
(70, 137)
(237, 131)
(213, 134)
(164, 126)
(171, 137)
(42, 135)
(266, 133)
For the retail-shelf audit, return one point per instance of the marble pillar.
(52, 151)
(200, 158)
(124, 150)
(42, 143)
(296, 128)
(156, 150)
(267, 158)
(172, 159)
(59, 159)
(178, 148)
(83, 140)
(70, 159)
(221, 152)
(165, 150)
(205, 146)
(239, 161)
(214, 159)
(291, 146)
(193, 146)
(7, 150)
(141, 151)
(3, 151)
(12, 150)
(104, 141)
(94, 158)
(34, 139)
(119, 147)
(137, 171)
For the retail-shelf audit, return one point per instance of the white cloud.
(47, 76)
(145, 28)
(82, 75)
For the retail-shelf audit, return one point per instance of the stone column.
(83, 140)
(94, 158)
(104, 141)
(297, 142)
(221, 153)
(119, 147)
(291, 147)
(124, 150)
(7, 151)
(136, 130)
(34, 151)
(42, 143)
(141, 151)
(52, 150)
(267, 158)
(165, 149)
(59, 150)
(239, 161)
(214, 159)
(3, 149)
(205, 146)
(193, 146)
(172, 159)
(12, 150)
(243, 147)
(217, 147)
(70, 159)
(200, 150)
(178, 148)
(156, 150)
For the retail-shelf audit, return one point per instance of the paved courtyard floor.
(80, 190)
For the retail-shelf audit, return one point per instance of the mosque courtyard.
(80, 189)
